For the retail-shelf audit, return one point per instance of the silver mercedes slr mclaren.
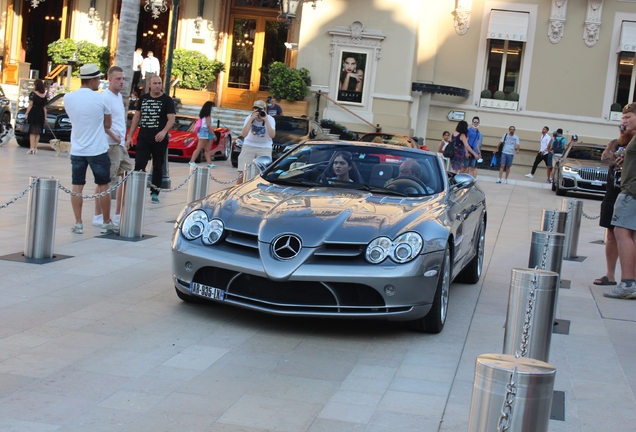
(336, 229)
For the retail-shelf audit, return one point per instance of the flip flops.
(604, 281)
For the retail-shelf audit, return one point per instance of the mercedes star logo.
(286, 247)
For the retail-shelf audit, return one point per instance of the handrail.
(55, 72)
(321, 94)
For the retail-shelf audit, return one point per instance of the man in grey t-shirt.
(509, 148)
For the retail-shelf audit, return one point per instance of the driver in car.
(409, 169)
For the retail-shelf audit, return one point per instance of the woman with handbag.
(36, 115)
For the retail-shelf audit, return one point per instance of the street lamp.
(156, 7)
(289, 8)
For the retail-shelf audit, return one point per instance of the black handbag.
(449, 150)
(26, 128)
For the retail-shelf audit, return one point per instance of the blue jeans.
(100, 165)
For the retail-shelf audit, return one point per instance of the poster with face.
(351, 83)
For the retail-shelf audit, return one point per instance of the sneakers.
(529, 175)
(78, 228)
(115, 219)
(110, 228)
(98, 220)
(154, 198)
(498, 180)
(210, 166)
(550, 181)
(192, 164)
(505, 181)
(622, 291)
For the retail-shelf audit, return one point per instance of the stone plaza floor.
(100, 342)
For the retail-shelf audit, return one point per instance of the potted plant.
(81, 53)
(289, 87)
(197, 76)
(338, 129)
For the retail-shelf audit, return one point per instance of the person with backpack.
(205, 132)
(558, 148)
(509, 146)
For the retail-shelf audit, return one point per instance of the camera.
(261, 113)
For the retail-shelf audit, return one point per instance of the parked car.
(581, 170)
(290, 131)
(183, 140)
(378, 247)
(5, 108)
(390, 138)
(58, 125)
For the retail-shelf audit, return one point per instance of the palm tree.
(127, 37)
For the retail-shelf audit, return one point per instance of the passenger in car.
(341, 168)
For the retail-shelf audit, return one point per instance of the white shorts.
(249, 153)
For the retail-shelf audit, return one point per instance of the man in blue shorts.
(89, 115)
(474, 141)
(509, 148)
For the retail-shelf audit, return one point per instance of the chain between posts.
(506, 410)
(97, 195)
(21, 194)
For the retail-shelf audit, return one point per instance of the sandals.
(604, 281)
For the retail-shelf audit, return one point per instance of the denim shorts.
(100, 165)
(506, 159)
(471, 162)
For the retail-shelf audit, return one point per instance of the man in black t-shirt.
(154, 115)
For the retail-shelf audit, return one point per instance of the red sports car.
(183, 140)
(390, 138)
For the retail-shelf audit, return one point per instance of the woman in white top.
(205, 134)
(442, 145)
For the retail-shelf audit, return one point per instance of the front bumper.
(319, 287)
(574, 183)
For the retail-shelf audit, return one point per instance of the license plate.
(597, 183)
(207, 291)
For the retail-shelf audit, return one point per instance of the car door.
(465, 209)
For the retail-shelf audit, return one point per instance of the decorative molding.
(557, 20)
(462, 16)
(592, 22)
(356, 35)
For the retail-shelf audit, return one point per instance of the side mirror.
(262, 162)
(462, 181)
(313, 134)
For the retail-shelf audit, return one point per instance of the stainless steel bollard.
(133, 205)
(543, 312)
(198, 187)
(40, 219)
(554, 254)
(250, 171)
(574, 209)
(554, 219)
(530, 409)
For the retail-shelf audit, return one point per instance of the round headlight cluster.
(401, 250)
(197, 224)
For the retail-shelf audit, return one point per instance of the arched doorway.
(152, 33)
(40, 26)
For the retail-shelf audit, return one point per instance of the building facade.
(408, 66)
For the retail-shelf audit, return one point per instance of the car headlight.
(213, 232)
(238, 144)
(401, 250)
(569, 169)
(65, 120)
(194, 225)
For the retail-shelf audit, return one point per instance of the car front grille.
(295, 296)
(593, 174)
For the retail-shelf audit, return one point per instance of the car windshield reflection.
(378, 169)
(585, 153)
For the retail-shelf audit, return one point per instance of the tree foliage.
(83, 52)
(288, 83)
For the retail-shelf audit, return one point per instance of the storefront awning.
(508, 25)
(628, 37)
(440, 89)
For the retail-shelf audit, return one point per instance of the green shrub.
(287, 83)
(194, 69)
(499, 95)
(83, 52)
(616, 107)
(337, 128)
(513, 96)
(486, 94)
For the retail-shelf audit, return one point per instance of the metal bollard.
(553, 220)
(541, 317)
(530, 408)
(133, 205)
(574, 209)
(198, 187)
(40, 219)
(553, 253)
(250, 171)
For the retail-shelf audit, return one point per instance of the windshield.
(586, 153)
(392, 171)
(58, 103)
(182, 123)
(292, 126)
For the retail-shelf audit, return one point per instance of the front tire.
(434, 321)
(6, 118)
(558, 190)
(23, 142)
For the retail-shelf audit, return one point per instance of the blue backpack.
(557, 145)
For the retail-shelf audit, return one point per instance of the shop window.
(503, 66)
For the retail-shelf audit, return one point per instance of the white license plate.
(597, 183)
(207, 291)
